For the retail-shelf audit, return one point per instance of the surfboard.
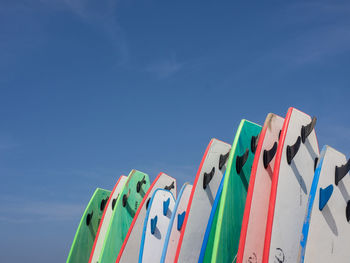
(292, 176)
(86, 232)
(129, 251)
(211, 222)
(161, 208)
(175, 225)
(326, 229)
(202, 197)
(125, 209)
(105, 219)
(251, 244)
(224, 237)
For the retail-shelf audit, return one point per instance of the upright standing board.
(202, 197)
(326, 230)
(86, 232)
(129, 251)
(251, 244)
(105, 220)
(124, 211)
(225, 236)
(296, 154)
(211, 222)
(175, 225)
(156, 223)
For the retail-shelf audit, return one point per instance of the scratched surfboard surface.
(156, 223)
(126, 206)
(131, 245)
(326, 230)
(86, 232)
(201, 200)
(252, 237)
(225, 236)
(293, 172)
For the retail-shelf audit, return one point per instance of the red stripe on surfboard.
(246, 213)
(274, 184)
(102, 218)
(190, 201)
(136, 215)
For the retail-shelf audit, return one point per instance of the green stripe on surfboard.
(123, 216)
(85, 235)
(224, 236)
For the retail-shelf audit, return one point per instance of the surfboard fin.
(223, 159)
(241, 160)
(89, 217)
(325, 194)
(154, 224)
(306, 130)
(341, 171)
(125, 198)
(103, 203)
(140, 183)
(180, 220)
(292, 150)
(348, 211)
(207, 178)
(268, 155)
(169, 187)
(254, 143)
(315, 163)
(166, 206)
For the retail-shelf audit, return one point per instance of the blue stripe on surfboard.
(146, 220)
(313, 192)
(210, 221)
(172, 219)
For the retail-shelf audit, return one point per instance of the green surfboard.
(125, 208)
(86, 232)
(224, 236)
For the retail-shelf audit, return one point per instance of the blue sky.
(91, 89)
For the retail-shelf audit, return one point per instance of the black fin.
(268, 155)
(89, 217)
(103, 204)
(293, 150)
(207, 178)
(140, 183)
(223, 159)
(169, 187)
(125, 198)
(241, 160)
(306, 130)
(315, 164)
(347, 212)
(341, 171)
(254, 143)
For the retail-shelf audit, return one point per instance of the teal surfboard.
(86, 232)
(125, 208)
(223, 240)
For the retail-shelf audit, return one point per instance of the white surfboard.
(175, 225)
(326, 231)
(202, 198)
(129, 251)
(161, 208)
(291, 183)
(106, 217)
(252, 237)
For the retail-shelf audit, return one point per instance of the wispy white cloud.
(164, 68)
